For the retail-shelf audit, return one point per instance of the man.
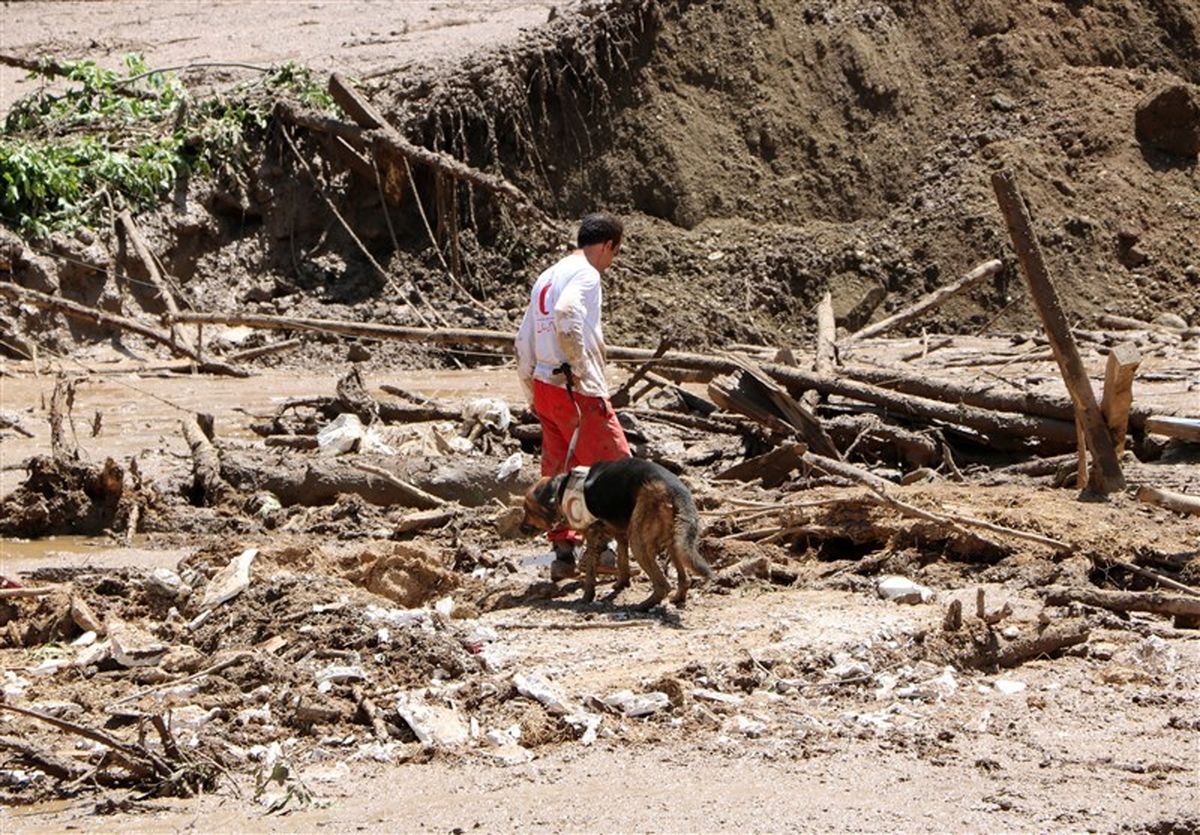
(562, 325)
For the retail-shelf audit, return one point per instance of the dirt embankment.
(763, 151)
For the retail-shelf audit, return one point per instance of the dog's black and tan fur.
(640, 504)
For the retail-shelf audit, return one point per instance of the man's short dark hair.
(599, 227)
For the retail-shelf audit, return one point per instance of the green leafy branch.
(127, 136)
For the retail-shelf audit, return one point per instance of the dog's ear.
(545, 492)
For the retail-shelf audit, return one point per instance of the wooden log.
(100, 317)
(134, 235)
(989, 653)
(415, 496)
(719, 425)
(265, 350)
(1177, 502)
(291, 441)
(1183, 429)
(388, 144)
(1106, 474)
(620, 398)
(694, 402)
(825, 358)
(929, 302)
(57, 768)
(1128, 323)
(207, 486)
(1157, 602)
(440, 336)
(758, 396)
(1118, 391)
(796, 379)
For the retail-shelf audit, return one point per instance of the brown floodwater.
(140, 412)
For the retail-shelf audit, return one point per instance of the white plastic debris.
(847, 667)
(902, 590)
(510, 466)
(1158, 655)
(341, 435)
(230, 581)
(489, 412)
(398, 618)
(340, 673)
(192, 717)
(84, 640)
(637, 704)
(434, 725)
(1008, 686)
(541, 691)
(48, 667)
(13, 686)
(445, 607)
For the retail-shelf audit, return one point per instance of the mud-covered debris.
(133, 646)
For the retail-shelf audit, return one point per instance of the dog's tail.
(686, 536)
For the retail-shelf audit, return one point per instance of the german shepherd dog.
(640, 504)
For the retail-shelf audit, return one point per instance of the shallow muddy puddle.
(137, 412)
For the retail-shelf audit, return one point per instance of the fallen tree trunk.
(100, 317)
(981, 395)
(207, 487)
(439, 336)
(1157, 602)
(1183, 429)
(929, 302)
(1178, 502)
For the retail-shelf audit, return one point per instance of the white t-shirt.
(562, 324)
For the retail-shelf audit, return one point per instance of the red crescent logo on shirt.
(542, 300)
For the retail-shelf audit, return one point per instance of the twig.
(215, 668)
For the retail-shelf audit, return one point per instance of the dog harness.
(573, 505)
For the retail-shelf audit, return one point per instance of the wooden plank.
(772, 467)
(1117, 399)
(1106, 474)
(1183, 429)
(929, 302)
(825, 357)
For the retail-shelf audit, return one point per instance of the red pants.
(601, 437)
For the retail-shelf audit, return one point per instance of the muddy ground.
(763, 153)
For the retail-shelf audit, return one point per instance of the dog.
(642, 505)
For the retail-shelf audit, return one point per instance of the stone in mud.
(230, 581)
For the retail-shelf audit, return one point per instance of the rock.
(1171, 320)
(716, 696)
(230, 581)
(84, 640)
(637, 704)
(133, 646)
(343, 434)
(93, 654)
(749, 727)
(84, 617)
(358, 352)
(337, 673)
(902, 590)
(183, 659)
(165, 583)
(1169, 119)
(1008, 686)
(1003, 103)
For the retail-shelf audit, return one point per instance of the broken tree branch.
(416, 496)
(100, 317)
(1157, 602)
(1106, 470)
(929, 302)
(1178, 502)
